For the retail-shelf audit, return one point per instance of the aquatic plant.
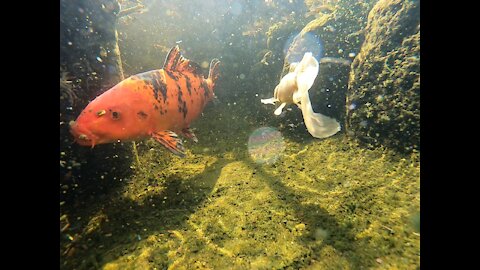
(67, 89)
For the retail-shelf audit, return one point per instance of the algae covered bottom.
(325, 204)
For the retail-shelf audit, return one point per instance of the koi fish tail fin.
(318, 125)
(213, 74)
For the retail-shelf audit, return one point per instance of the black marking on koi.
(153, 79)
(142, 114)
(182, 105)
(205, 89)
(171, 75)
(188, 84)
(185, 110)
(175, 61)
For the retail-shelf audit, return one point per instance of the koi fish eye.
(115, 115)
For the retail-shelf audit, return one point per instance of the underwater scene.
(239, 134)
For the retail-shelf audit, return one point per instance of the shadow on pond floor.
(217, 208)
(122, 221)
(325, 229)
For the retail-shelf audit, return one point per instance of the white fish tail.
(319, 125)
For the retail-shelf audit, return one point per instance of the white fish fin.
(306, 73)
(319, 125)
(269, 100)
(278, 111)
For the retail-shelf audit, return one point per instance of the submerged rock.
(383, 98)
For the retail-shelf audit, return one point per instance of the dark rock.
(383, 98)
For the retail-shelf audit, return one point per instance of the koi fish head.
(104, 121)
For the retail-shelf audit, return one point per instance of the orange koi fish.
(156, 104)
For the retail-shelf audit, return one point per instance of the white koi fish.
(293, 88)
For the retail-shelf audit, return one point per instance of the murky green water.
(257, 191)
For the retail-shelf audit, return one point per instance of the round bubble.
(265, 145)
(297, 45)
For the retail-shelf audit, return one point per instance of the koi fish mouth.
(84, 140)
(81, 137)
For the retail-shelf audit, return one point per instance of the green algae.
(384, 86)
(316, 23)
(325, 204)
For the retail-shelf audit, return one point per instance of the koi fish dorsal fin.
(306, 72)
(176, 62)
(172, 59)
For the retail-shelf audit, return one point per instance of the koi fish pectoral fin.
(188, 132)
(269, 100)
(272, 101)
(171, 141)
(278, 111)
